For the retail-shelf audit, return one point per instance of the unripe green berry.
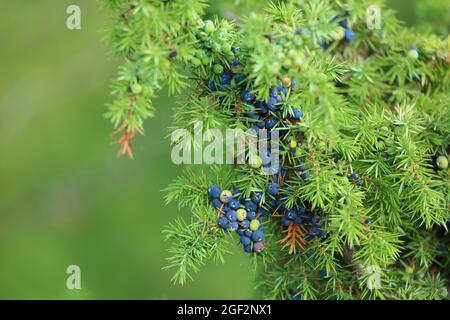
(225, 47)
(205, 60)
(413, 54)
(201, 54)
(209, 26)
(442, 162)
(196, 62)
(216, 47)
(293, 144)
(136, 88)
(298, 61)
(322, 145)
(218, 69)
(444, 292)
(255, 161)
(241, 214)
(254, 224)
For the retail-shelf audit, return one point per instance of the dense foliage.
(364, 122)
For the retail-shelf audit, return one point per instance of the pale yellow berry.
(293, 144)
(254, 225)
(225, 196)
(442, 162)
(338, 34)
(286, 82)
(241, 214)
(255, 161)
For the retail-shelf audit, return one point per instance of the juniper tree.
(361, 192)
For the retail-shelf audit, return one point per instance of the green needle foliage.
(370, 106)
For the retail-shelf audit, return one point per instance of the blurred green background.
(65, 198)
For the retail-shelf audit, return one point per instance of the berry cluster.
(237, 92)
(299, 216)
(259, 114)
(343, 32)
(213, 46)
(355, 177)
(349, 35)
(240, 215)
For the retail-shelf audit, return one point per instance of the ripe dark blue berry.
(301, 210)
(245, 240)
(349, 35)
(234, 204)
(273, 93)
(216, 203)
(263, 212)
(322, 233)
(248, 248)
(231, 215)
(297, 114)
(225, 79)
(236, 64)
(245, 224)
(315, 219)
(223, 222)
(212, 85)
(297, 297)
(261, 124)
(239, 78)
(271, 123)
(263, 108)
(314, 231)
(272, 189)
(354, 176)
(291, 214)
(298, 220)
(344, 23)
(285, 221)
(250, 206)
(233, 226)
(256, 197)
(214, 192)
(272, 202)
(251, 215)
(247, 96)
(248, 233)
(258, 236)
(271, 103)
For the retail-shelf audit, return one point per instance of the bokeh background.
(65, 198)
